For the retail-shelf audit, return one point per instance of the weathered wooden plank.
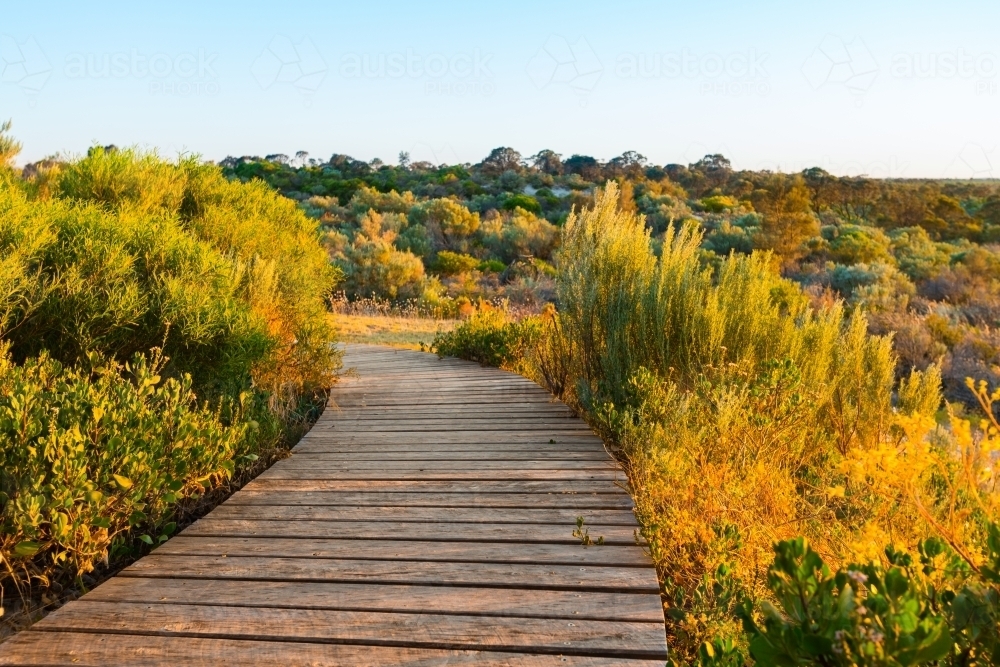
(541, 445)
(100, 650)
(399, 465)
(485, 413)
(581, 637)
(490, 440)
(414, 550)
(417, 426)
(421, 410)
(433, 398)
(405, 382)
(384, 400)
(319, 452)
(448, 532)
(559, 517)
(523, 576)
(558, 488)
(574, 502)
(279, 471)
(462, 422)
(366, 597)
(448, 441)
(420, 391)
(452, 429)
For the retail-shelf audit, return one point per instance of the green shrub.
(120, 177)
(373, 266)
(492, 266)
(513, 236)
(228, 276)
(448, 222)
(719, 203)
(90, 452)
(856, 244)
(452, 263)
(490, 336)
(159, 326)
(522, 201)
(863, 615)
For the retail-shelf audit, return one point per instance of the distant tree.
(372, 264)
(587, 167)
(947, 219)
(9, 147)
(716, 170)
(655, 173)
(301, 158)
(629, 163)
(677, 172)
(348, 166)
(788, 219)
(548, 162)
(404, 160)
(713, 162)
(850, 198)
(500, 160)
(447, 221)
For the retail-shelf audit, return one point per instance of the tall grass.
(747, 418)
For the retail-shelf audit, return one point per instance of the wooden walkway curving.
(426, 519)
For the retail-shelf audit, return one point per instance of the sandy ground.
(404, 332)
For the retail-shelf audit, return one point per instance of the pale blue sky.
(886, 88)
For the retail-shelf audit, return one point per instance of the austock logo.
(24, 64)
(283, 61)
(558, 62)
(838, 63)
(458, 74)
(181, 74)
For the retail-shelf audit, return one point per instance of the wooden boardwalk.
(426, 519)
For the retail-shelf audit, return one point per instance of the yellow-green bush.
(492, 337)
(124, 256)
(279, 270)
(374, 268)
(450, 263)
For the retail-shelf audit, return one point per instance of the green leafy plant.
(862, 615)
(582, 533)
(490, 336)
(89, 453)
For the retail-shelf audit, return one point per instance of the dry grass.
(396, 331)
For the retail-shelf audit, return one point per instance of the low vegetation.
(379, 322)
(919, 256)
(162, 326)
(801, 499)
(779, 361)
